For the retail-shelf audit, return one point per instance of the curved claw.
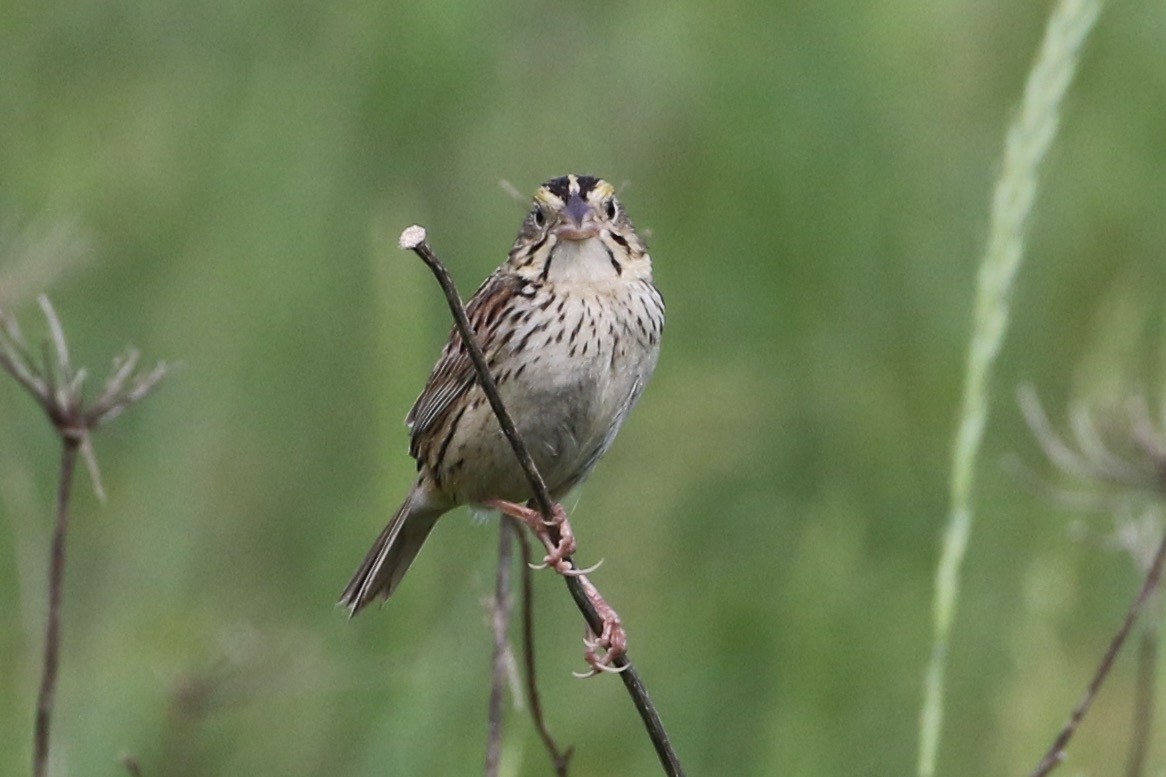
(600, 668)
(576, 572)
(560, 566)
(612, 642)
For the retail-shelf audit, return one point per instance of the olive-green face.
(574, 207)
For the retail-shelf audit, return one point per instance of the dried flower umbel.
(59, 388)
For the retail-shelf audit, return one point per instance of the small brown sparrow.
(570, 326)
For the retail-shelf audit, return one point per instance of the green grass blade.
(1026, 143)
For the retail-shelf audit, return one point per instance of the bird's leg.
(604, 651)
(558, 553)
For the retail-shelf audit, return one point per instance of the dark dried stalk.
(560, 759)
(1056, 753)
(499, 626)
(1136, 464)
(58, 388)
(414, 239)
(48, 682)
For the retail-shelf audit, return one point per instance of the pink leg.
(558, 553)
(605, 650)
(602, 651)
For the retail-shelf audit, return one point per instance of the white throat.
(581, 261)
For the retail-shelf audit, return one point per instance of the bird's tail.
(394, 550)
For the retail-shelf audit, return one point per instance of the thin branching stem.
(58, 388)
(414, 239)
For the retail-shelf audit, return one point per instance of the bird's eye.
(540, 218)
(609, 208)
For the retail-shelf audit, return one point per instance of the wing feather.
(453, 375)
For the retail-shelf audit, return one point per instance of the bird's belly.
(567, 412)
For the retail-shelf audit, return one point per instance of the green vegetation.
(232, 177)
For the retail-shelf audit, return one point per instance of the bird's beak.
(578, 224)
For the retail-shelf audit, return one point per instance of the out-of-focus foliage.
(815, 180)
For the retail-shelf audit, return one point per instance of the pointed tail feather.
(394, 550)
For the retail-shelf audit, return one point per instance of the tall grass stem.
(1026, 143)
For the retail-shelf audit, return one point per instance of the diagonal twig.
(1056, 753)
(414, 239)
(1143, 470)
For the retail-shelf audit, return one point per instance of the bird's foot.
(604, 653)
(558, 552)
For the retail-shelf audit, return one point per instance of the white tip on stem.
(412, 237)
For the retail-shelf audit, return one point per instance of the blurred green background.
(222, 183)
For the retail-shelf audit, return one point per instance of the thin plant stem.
(560, 759)
(414, 239)
(499, 627)
(58, 388)
(52, 649)
(1028, 139)
(1056, 753)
